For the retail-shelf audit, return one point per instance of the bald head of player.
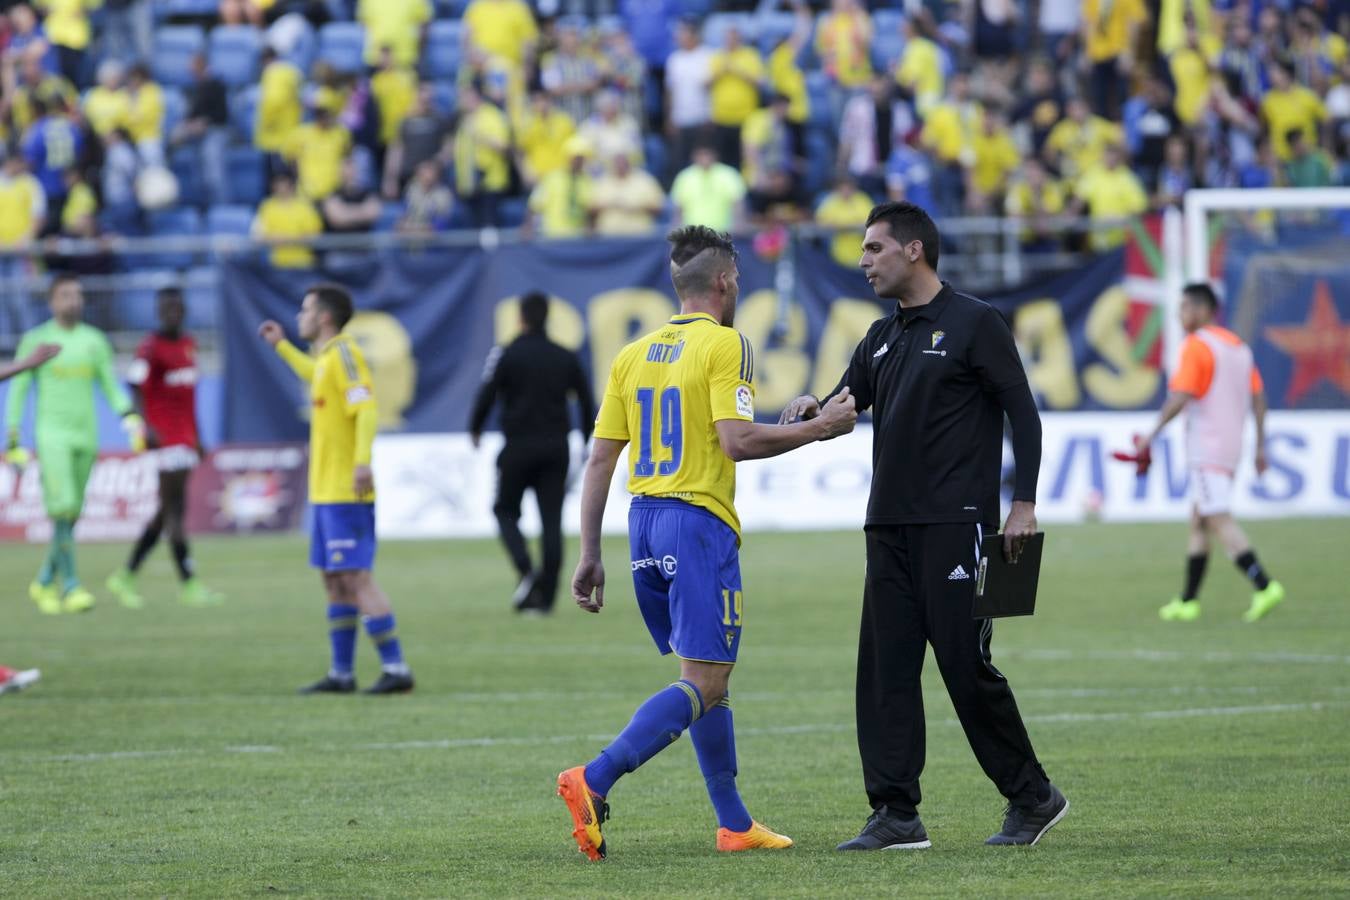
(1199, 303)
(703, 270)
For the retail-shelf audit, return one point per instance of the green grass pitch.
(165, 752)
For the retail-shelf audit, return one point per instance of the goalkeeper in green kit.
(67, 433)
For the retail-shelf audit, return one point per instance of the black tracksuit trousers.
(919, 590)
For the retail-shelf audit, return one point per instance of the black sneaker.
(331, 684)
(1023, 825)
(886, 831)
(390, 683)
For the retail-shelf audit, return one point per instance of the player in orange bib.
(1215, 385)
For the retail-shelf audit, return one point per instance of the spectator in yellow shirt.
(540, 138)
(1191, 74)
(845, 208)
(397, 24)
(394, 88)
(737, 71)
(786, 76)
(612, 132)
(994, 159)
(279, 109)
(919, 68)
(107, 105)
(67, 28)
(1078, 143)
(317, 149)
(79, 214)
(844, 44)
(286, 221)
(482, 146)
(1110, 31)
(504, 28)
(1109, 191)
(1034, 197)
(23, 211)
(561, 203)
(948, 135)
(626, 200)
(145, 117)
(1287, 106)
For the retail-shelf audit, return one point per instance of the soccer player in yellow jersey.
(342, 488)
(683, 397)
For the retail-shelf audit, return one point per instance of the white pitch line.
(772, 731)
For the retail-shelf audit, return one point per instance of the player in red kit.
(164, 381)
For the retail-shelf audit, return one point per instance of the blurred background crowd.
(287, 119)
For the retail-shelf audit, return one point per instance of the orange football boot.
(589, 811)
(756, 838)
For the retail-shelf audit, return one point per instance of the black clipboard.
(1003, 588)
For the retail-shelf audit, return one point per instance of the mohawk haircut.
(697, 255)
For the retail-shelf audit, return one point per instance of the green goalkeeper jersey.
(65, 385)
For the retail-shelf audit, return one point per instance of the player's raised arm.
(300, 362)
(588, 583)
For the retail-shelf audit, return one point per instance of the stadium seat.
(445, 95)
(341, 45)
(294, 40)
(183, 164)
(233, 55)
(186, 9)
(886, 22)
(201, 294)
(512, 211)
(248, 180)
(717, 24)
(818, 93)
(175, 46)
(175, 109)
(177, 222)
(819, 160)
(773, 28)
(244, 112)
(451, 9)
(234, 219)
(886, 50)
(440, 56)
(136, 309)
(654, 149)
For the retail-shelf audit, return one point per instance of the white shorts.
(178, 458)
(1212, 491)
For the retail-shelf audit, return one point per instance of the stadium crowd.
(291, 118)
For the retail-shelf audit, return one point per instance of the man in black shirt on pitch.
(533, 377)
(939, 374)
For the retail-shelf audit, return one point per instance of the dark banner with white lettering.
(428, 319)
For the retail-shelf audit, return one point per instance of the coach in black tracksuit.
(533, 378)
(939, 374)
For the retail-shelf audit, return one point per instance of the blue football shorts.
(342, 537)
(687, 576)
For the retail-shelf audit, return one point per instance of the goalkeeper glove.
(14, 454)
(134, 426)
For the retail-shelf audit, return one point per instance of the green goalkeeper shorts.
(65, 473)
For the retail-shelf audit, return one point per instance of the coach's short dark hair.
(534, 310)
(1201, 292)
(909, 223)
(335, 300)
(697, 254)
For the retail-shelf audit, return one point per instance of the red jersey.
(165, 370)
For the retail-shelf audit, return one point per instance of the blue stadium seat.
(886, 50)
(717, 24)
(183, 164)
(819, 159)
(450, 9)
(201, 293)
(175, 109)
(234, 51)
(177, 222)
(186, 9)
(389, 216)
(136, 310)
(341, 45)
(886, 22)
(512, 212)
(654, 148)
(248, 180)
(301, 53)
(695, 8)
(175, 46)
(445, 94)
(244, 112)
(773, 28)
(818, 93)
(440, 56)
(234, 219)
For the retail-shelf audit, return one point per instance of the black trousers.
(919, 591)
(541, 467)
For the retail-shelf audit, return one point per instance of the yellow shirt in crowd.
(735, 85)
(480, 147)
(67, 22)
(279, 110)
(626, 206)
(949, 131)
(540, 140)
(920, 70)
(288, 217)
(838, 211)
(145, 116)
(788, 79)
(562, 201)
(1108, 24)
(318, 154)
(396, 24)
(395, 93)
(1285, 110)
(106, 110)
(996, 158)
(1111, 194)
(846, 43)
(22, 203)
(1082, 146)
(501, 28)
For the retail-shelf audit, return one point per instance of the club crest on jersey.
(937, 338)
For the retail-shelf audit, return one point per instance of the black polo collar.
(933, 308)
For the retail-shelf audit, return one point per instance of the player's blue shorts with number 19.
(342, 537)
(687, 576)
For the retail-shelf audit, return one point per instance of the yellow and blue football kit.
(341, 434)
(666, 392)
